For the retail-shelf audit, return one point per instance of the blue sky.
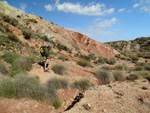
(101, 20)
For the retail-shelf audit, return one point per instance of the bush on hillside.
(134, 59)
(3, 69)
(82, 84)
(119, 76)
(12, 37)
(10, 20)
(133, 76)
(84, 63)
(59, 69)
(147, 66)
(58, 83)
(63, 58)
(102, 60)
(112, 61)
(104, 77)
(31, 20)
(9, 57)
(3, 28)
(57, 103)
(3, 40)
(21, 64)
(23, 86)
(119, 67)
(92, 56)
(26, 32)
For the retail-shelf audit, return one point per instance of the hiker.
(44, 50)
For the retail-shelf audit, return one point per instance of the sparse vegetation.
(84, 63)
(119, 67)
(12, 37)
(102, 60)
(57, 103)
(3, 69)
(133, 76)
(104, 77)
(82, 84)
(31, 20)
(3, 28)
(26, 32)
(147, 66)
(59, 69)
(63, 58)
(10, 20)
(111, 61)
(134, 58)
(23, 86)
(9, 57)
(58, 83)
(21, 64)
(119, 76)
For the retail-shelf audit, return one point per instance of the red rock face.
(93, 46)
(67, 38)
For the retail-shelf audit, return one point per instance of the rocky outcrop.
(138, 45)
(58, 34)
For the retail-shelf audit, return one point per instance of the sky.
(101, 20)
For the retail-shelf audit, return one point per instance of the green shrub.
(4, 40)
(92, 56)
(57, 103)
(84, 63)
(26, 32)
(82, 84)
(119, 67)
(10, 20)
(133, 76)
(63, 58)
(119, 76)
(62, 47)
(3, 28)
(106, 68)
(44, 37)
(31, 20)
(134, 59)
(30, 87)
(58, 83)
(59, 69)
(112, 61)
(21, 64)
(138, 68)
(23, 86)
(9, 57)
(12, 37)
(104, 77)
(147, 66)
(102, 60)
(87, 58)
(7, 88)
(3, 69)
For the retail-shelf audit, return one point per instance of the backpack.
(42, 51)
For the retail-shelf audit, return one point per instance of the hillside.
(85, 76)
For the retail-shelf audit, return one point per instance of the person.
(44, 50)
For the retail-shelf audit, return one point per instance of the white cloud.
(136, 5)
(144, 5)
(5, 2)
(97, 32)
(121, 10)
(107, 23)
(145, 8)
(23, 7)
(91, 9)
(48, 7)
